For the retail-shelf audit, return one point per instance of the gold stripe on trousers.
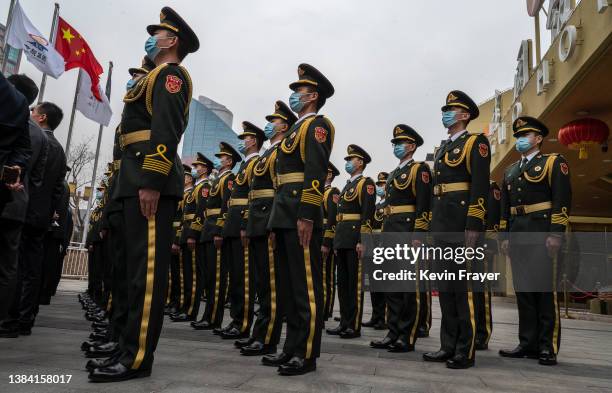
(311, 302)
(146, 309)
(272, 293)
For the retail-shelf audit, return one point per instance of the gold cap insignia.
(520, 122)
(300, 71)
(397, 131)
(350, 150)
(276, 106)
(451, 97)
(162, 16)
(538, 168)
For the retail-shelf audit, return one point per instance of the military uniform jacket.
(189, 209)
(113, 205)
(408, 187)
(200, 194)
(158, 106)
(379, 215)
(493, 217)
(537, 197)
(262, 183)
(216, 206)
(304, 150)
(238, 205)
(464, 161)
(177, 223)
(358, 198)
(331, 196)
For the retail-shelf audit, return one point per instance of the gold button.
(440, 161)
(263, 208)
(545, 216)
(520, 178)
(294, 192)
(137, 154)
(437, 173)
(518, 189)
(519, 200)
(408, 219)
(462, 203)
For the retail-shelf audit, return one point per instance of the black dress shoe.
(182, 317)
(86, 345)
(335, 331)
(103, 324)
(257, 348)
(380, 325)
(9, 332)
(459, 362)
(350, 333)
(400, 346)
(518, 353)
(481, 346)
(422, 333)
(297, 366)
(103, 362)
(203, 325)
(337, 319)
(547, 358)
(385, 343)
(97, 336)
(233, 334)
(369, 323)
(275, 360)
(116, 372)
(440, 356)
(102, 351)
(243, 342)
(220, 330)
(195, 323)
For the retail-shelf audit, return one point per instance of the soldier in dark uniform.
(482, 298)
(148, 186)
(331, 196)
(355, 213)
(202, 167)
(461, 190)
(536, 198)
(217, 264)
(113, 228)
(297, 221)
(187, 274)
(242, 276)
(379, 306)
(268, 325)
(176, 260)
(408, 194)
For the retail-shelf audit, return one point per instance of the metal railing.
(75, 262)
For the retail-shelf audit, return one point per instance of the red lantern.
(580, 134)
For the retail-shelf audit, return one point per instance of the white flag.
(38, 50)
(89, 106)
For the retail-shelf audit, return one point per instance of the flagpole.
(43, 82)
(74, 102)
(95, 168)
(8, 26)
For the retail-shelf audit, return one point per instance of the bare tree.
(80, 160)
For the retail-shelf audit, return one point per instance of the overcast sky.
(390, 61)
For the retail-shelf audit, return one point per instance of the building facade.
(209, 123)
(14, 55)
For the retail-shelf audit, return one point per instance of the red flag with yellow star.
(75, 50)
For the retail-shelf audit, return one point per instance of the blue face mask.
(522, 144)
(380, 191)
(448, 119)
(399, 150)
(269, 130)
(194, 172)
(241, 147)
(217, 163)
(295, 101)
(349, 167)
(98, 194)
(151, 47)
(130, 84)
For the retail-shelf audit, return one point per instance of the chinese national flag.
(75, 50)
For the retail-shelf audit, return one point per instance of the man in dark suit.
(16, 93)
(44, 201)
(13, 216)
